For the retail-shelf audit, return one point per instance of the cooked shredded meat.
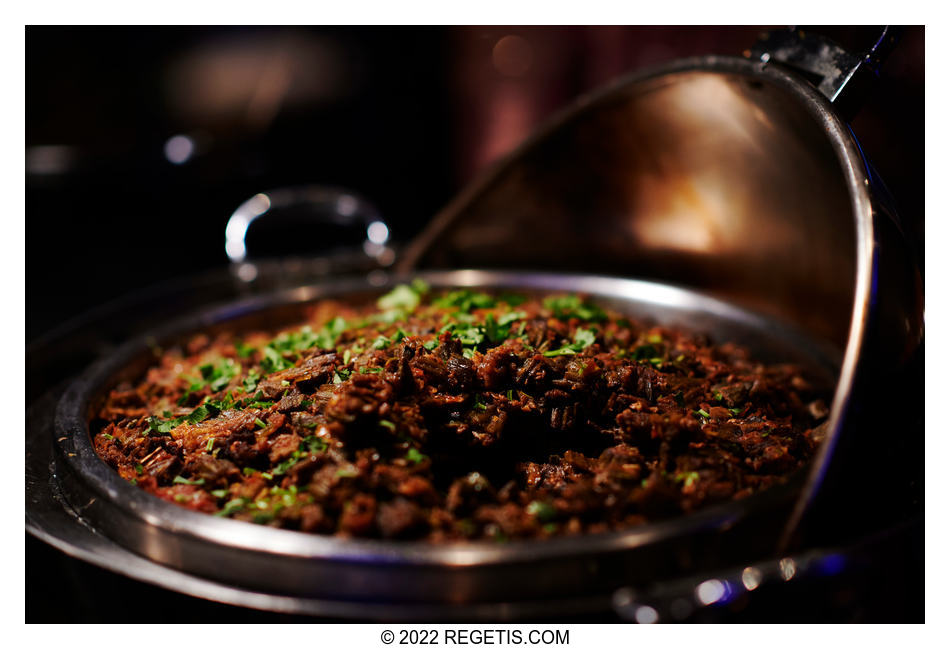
(458, 415)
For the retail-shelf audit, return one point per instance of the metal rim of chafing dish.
(292, 563)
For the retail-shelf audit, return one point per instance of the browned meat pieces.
(459, 415)
(313, 371)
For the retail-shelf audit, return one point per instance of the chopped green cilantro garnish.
(197, 415)
(250, 381)
(402, 296)
(385, 423)
(702, 413)
(180, 480)
(571, 306)
(688, 478)
(415, 456)
(220, 374)
(511, 316)
(512, 299)
(543, 511)
(583, 338)
(273, 361)
(465, 300)
(231, 507)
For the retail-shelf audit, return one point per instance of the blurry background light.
(787, 568)
(751, 578)
(377, 232)
(710, 591)
(512, 56)
(179, 149)
(49, 159)
(646, 615)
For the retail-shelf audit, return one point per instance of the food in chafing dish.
(458, 415)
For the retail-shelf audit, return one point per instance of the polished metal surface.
(312, 204)
(292, 564)
(725, 175)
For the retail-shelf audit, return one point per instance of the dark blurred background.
(141, 141)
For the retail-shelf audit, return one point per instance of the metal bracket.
(844, 78)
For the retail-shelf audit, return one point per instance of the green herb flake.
(571, 306)
(702, 413)
(465, 300)
(180, 480)
(583, 338)
(261, 424)
(402, 296)
(385, 423)
(139, 469)
(232, 507)
(250, 381)
(687, 478)
(541, 510)
(415, 456)
(220, 493)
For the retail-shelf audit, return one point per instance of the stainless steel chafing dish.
(737, 196)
